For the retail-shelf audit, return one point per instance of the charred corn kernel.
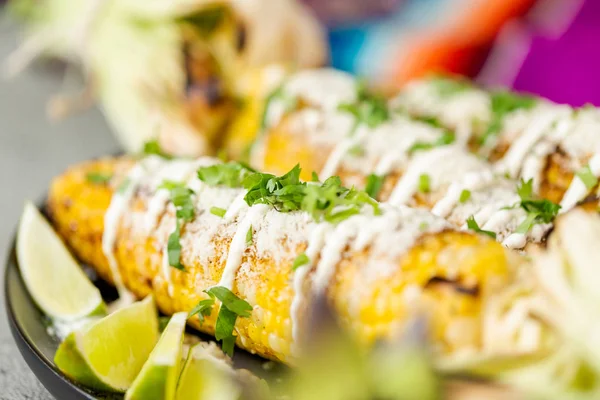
(444, 276)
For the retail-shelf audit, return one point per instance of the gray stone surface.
(32, 151)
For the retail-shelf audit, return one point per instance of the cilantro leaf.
(504, 103)
(587, 177)
(202, 309)
(284, 193)
(224, 329)
(443, 140)
(228, 345)
(374, 185)
(424, 183)
(230, 174)
(465, 195)
(538, 210)
(181, 196)
(446, 86)
(329, 201)
(527, 223)
(98, 177)
(232, 307)
(152, 147)
(472, 225)
(174, 248)
(230, 301)
(368, 109)
(545, 209)
(525, 189)
(301, 260)
(218, 211)
(249, 236)
(124, 185)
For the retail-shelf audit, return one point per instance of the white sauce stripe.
(238, 244)
(513, 159)
(118, 205)
(316, 242)
(577, 189)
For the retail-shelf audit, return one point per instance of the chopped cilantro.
(249, 236)
(152, 147)
(527, 223)
(356, 151)
(314, 177)
(423, 226)
(538, 210)
(424, 183)
(472, 225)
(328, 201)
(202, 309)
(301, 260)
(218, 211)
(374, 185)
(181, 197)
(465, 195)
(230, 300)
(446, 86)
(504, 103)
(587, 177)
(174, 248)
(525, 189)
(368, 109)
(232, 307)
(224, 330)
(445, 139)
(230, 174)
(123, 186)
(98, 177)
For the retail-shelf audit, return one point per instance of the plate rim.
(44, 369)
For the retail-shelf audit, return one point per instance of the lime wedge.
(109, 354)
(158, 378)
(206, 376)
(54, 279)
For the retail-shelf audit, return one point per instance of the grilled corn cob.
(353, 134)
(376, 270)
(525, 137)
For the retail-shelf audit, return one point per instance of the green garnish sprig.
(328, 201)
(181, 196)
(98, 178)
(232, 307)
(368, 109)
(230, 174)
(504, 103)
(444, 139)
(538, 210)
(448, 86)
(474, 226)
(152, 147)
(587, 177)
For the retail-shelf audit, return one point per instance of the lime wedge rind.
(158, 378)
(108, 354)
(53, 278)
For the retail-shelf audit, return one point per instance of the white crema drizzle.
(118, 205)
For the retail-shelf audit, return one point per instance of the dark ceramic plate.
(28, 326)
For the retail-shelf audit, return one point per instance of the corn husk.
(132, 55)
